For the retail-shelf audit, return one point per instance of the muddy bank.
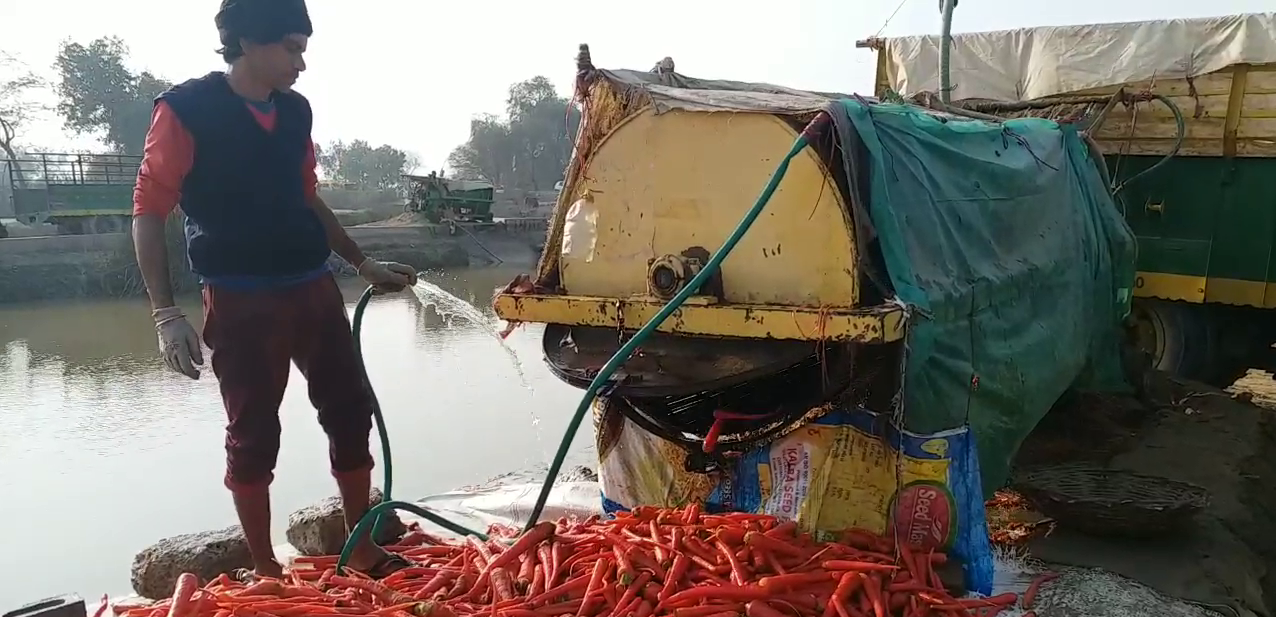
(102, 265)
(1187, 432)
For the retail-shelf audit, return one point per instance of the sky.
(411, 73)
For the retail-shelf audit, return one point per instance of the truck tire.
(1188, 340)
(70, 226)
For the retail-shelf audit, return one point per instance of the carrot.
(580, 583)
(492, 570)
(540, 533)
(556, 561)
(624, 569)
(790, 581)
(1030, 595)
(609, 595)
(873, 590)
(545, 558)
(1005, 599)
(645, 609)
(724, 592)
(711, 437)
(706, 611)
(846, 585)
(731, 536)
(436, 584)
(758, 608)
(377, 590)
(668, 563)
(699, 549)
(525, 569)
(538, 583)
(774, 545)
(774, 564)
(106, 603)
(661, 558)
(738, 575)
(596, 584)
(631, 593)
(858, 566)
(326, 561)
(681, 563)
(906, 558)
(183, 594)
(579, 557)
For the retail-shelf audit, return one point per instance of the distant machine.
(441, 199)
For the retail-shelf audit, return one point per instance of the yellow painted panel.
(1235, 292)
(1170, 286)
(698, 318)
(1198, 289)
(660, 184)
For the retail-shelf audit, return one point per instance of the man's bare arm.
(338, 240)
(151, 245)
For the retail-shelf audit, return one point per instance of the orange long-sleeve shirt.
(169, 154)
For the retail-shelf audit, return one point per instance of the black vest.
(244, 199)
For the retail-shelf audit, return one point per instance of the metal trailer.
(79, 193)
(1205, 219)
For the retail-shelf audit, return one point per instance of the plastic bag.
(841, 471)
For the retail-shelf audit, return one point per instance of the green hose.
(356, 329)
(374, 514)
(591, 392)
(946, 50)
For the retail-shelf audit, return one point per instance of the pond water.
(103, 452)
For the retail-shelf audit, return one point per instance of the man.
(234, 149)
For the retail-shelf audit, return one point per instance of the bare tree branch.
(18, 106)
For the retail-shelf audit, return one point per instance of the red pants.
(254, 336)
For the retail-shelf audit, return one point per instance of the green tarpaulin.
(1016, 263)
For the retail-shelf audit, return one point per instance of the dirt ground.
(1222, 441)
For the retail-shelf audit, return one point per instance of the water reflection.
(102, 447)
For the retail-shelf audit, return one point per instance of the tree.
(101, 96)
(486, 156)
(360, 164)
(17, 106)
(530, 148)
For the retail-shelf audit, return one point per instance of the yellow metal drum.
(660, 184)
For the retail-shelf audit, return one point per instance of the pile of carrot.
(646, 563)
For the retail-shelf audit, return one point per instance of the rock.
(1093, 592)
(206, 555)
(579, 473)
(320, 529)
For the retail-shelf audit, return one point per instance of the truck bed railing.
(50, 169)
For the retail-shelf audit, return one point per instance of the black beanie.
(262, 21)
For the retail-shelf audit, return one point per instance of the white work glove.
(387, 276)
(178, 342)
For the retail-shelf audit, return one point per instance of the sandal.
(247, 576)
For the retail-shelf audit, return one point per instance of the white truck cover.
(1031, 63)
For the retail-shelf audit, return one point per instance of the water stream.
(451, 307)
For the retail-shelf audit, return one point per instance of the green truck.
(1190, 101)
(79, 193)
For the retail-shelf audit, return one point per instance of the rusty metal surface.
(666, 364)
(871, 325)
